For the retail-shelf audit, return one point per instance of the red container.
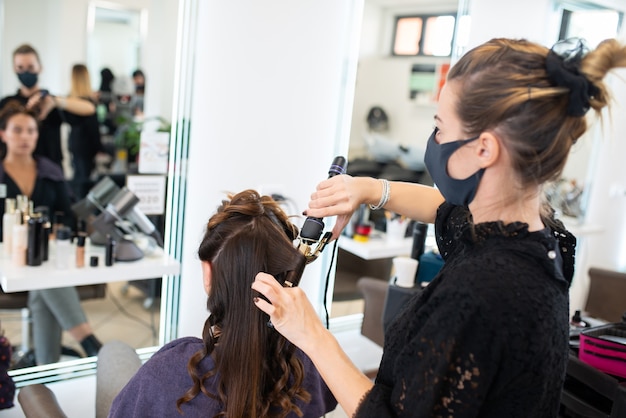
(604, 348)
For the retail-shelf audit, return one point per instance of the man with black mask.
(52, 110)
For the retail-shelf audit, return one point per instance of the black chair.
(590, 393)
(606, 294)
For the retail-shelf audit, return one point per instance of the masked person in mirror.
(488, 336)
(241, 367)
(51, 110)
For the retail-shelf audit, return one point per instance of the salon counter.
(16, 279)
(378, 246)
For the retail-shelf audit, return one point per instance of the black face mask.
(457, 192)
(27, 78)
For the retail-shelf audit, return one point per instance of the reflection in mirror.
(114, 38)
(569, 195)
(400, 68)
(63, 39)
(399, 91)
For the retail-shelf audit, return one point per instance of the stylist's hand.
(290, 311)
(42, 103)
(337, 196)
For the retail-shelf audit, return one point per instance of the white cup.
(396, 229)
(405, 269)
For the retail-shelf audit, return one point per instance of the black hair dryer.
(312, 228)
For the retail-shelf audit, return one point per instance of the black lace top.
(488, 337)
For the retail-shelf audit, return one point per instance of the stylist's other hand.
(337, 196)
(34, 100)
(290, 311)
(47, 104)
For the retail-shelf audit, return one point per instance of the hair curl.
(258, 371)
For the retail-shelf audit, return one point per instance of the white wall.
(268, 88)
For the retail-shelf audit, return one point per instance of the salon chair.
(374, 292)
(590, 393)
(606, 298)
(117, 363)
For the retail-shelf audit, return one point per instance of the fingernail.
(304, 213)
(255, 299)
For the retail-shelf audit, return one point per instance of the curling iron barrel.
(312, 228)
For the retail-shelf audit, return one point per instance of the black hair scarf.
(563, 68)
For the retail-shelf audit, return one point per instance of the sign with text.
(151, 193)
(153, 152)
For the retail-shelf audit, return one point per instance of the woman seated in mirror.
(42, 181)
(241, 366)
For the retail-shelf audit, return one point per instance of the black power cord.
(330, 267)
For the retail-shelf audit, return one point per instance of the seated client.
(241, 367)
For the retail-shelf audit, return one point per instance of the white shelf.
(17, 279)
(376, 247)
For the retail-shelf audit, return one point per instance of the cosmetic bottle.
(57, 222)
(19, 240)
(47, 231)
(577, 322)
(34, 251)
(419, 240)
(8, 220)
(109, 253)
(63, 247)
(21, 203)
(80, 251)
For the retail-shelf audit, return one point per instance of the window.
(427, 35)
(593, 24)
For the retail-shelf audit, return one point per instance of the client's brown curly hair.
(258, 371)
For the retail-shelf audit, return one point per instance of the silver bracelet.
(384, 198)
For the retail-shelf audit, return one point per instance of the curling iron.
(312, 228)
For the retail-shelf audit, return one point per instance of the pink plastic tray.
(604, 348)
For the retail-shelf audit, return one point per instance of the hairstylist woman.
(488, 336)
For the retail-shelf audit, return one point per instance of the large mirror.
(122, 35)
(405, 48)
(396, 87)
